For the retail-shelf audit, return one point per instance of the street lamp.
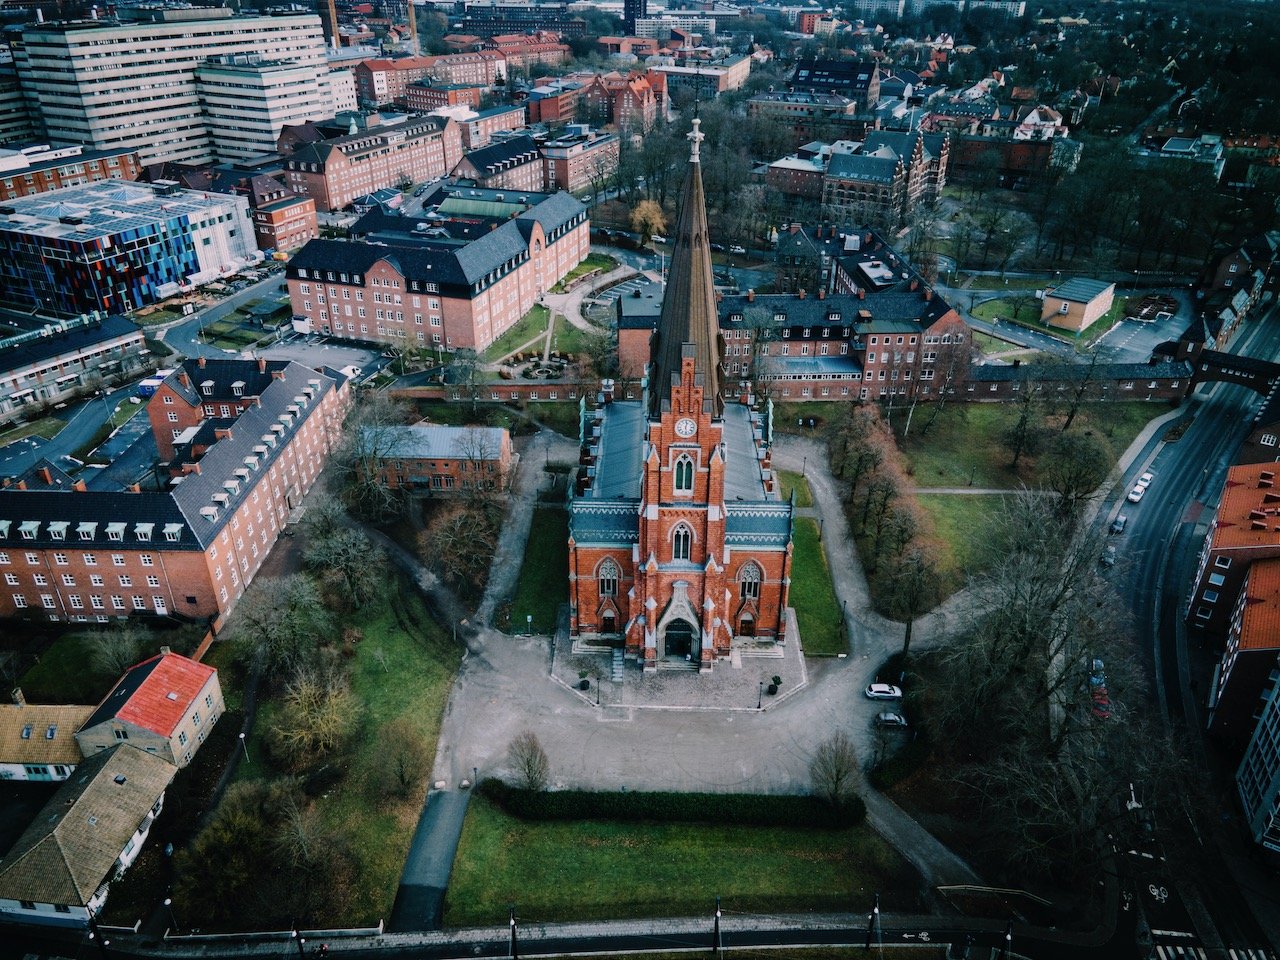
(760, 696)
(168, 905)
(528, 619)
(245, 747)
(597, 691)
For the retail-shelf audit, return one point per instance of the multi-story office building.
(131, 83)
(514, 164)
(384, 82)
(247, 101)
(459, 277)
(705, 78)
(43, 365)
(115, 246)
(16, 124)
(335, 172)
(1258, 779)
(633, 10)
(36, 168)
(481, 67)
(246, 439)
(580, 160)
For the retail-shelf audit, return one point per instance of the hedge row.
(757, 810)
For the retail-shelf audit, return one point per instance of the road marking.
(1179, 953)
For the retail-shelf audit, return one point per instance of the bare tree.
(356, 564)
(282, 621)
(405, 756)
(459, 544)
(464, 372)
(833, 771)
(117, 649)
(913, 588)
(371, 437)
(317, 716)
(1073, 467)
(1083, 388)
(1025, 434)
(529, 762)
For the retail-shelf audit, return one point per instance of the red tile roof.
(1249, 512)
(166, 695)
(1260, 620)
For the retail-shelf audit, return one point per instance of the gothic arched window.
(684, 475)
(681, 543)
(749, 582)
(608, 579)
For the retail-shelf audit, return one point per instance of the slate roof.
(155, 694)
(883, 307)
(861, 167)
(73, 844)
(432, 442)
(1079, 290)
(503, 154)
(25, 729)
(69, 342)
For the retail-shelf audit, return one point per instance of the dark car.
(1117, 525)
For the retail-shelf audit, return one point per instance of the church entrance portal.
(678, 640)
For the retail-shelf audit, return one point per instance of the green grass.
(413, 685)
(529, 326)
(594, 870)
(567, 338)
(964, 447)
(786, 415)
(47, 427)
(989, 344)
(1027, 314)
(789, 480)
(595, 262)
(544, 575)
(156, 317)
(985, 282)
(125, 411)
(958, 521)
(64, 674)
(817, 607)
(559, 415)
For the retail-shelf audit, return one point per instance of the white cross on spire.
(695, 137)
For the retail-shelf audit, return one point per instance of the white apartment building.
(247, 101)
(342, 87)
(132, 82)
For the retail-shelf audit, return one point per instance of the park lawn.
(595, 870)
(957, 520)
(566, 338)
(125, 411)
(559, 415)
(594, 263)
(789, 480)
(65, 674)
(989, 344)
(964, 448)
(1027, 314)
(818, 611)
(985, 282)
(47, 427)
(787, 417)
(413, 685)
(544, 574)
(526, 328)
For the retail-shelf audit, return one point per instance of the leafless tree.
(1073, 467)
(357, 565)
(317, 716)
(913, 588)
(370, 438)
(1025, 434)
(833, 771)
(459, 544)
(117, 649)
(405, 756)
(465, 373)
(529, 762)
(282, 620)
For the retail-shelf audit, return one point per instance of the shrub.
(749, 809)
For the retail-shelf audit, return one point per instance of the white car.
(1135, 495)
(1144, 481)
(737, 249)
(658, 239)
(883, 691)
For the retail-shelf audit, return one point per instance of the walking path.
(570, 304)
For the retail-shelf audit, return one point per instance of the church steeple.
(689, 325)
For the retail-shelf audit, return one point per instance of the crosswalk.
(1174, 951)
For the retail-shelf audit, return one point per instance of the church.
(679, 542)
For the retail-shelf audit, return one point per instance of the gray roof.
(1075, 372)
(69, 342)
(766, 525)
(619, 463)
(518, 150)
(431, 442)
(844, 166)
(1079, 290)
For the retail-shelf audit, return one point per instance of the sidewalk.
(570, 304)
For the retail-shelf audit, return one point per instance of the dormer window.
(237, 388)
(172, 532)
(58, 529)
(4, 528)
(209, 513)
(231, 486)
(87, 530)
(220, 499)
(142, 531)
(115, 531)
(207, 388)
(29, 528)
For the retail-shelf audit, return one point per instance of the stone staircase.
(617, 665)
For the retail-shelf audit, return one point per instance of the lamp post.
(475, 775)
(168, 905)
(528, 619)
(760, 696)
(597, 691)
(244, 746)
(300, 941)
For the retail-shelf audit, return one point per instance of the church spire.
(688, 324)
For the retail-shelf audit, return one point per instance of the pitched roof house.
(165, 705)
(58, 871)
(37, 741)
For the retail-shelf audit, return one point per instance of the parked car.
(883, 691)
(1108, 558)
(888, 719)
(420, 191)
(1136, 494)
(1144, 481)
(718, 247)
(737, 249)
(1117, 525)
(658, 239)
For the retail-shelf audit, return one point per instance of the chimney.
(200, 361)
(277, 374)
(915, 284)
(186, 469)
(18, 698)
(751, 295)
(928, 294)
(79, 486)
(1017, 362)
(22, 484)
(165, 651)
(184, 379)
(800, 293)
(822, 294)
(46, 476)
(134, 488)
(862, 294)
(262, 364)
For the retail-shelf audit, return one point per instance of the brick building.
(245, 439)
(887, 178)
(426, 95)
(625, 100)
(1245, 677)
(514, 164)
(805, 116)
(555, 101)
(25, 170)
(335, 172)
(579, 160)
(458, 277)
(480, 67)
(530, 51)
(479, 131)
(858, 80)
(384, 82)
(679, 544)
(442, 460)
(282, 220)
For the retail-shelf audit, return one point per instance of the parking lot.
(1131, 341)
(316, 351)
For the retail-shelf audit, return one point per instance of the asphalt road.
(83, 420)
